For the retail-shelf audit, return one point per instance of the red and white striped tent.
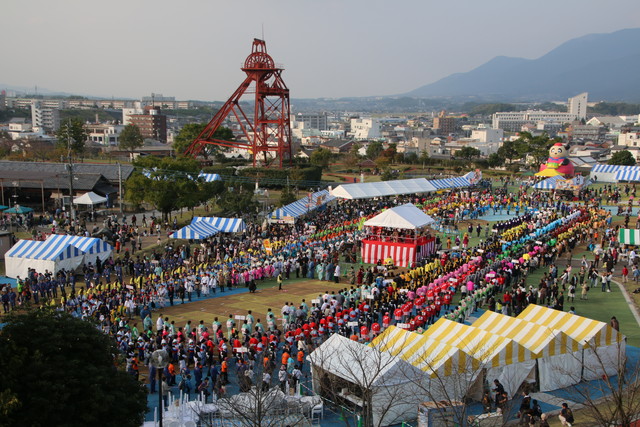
(403, 250)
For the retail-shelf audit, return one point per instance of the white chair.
(317, 412)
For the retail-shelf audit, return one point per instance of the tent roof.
(195, 231)
(368, 190)
(629, 236)
(90, 245)
(455, 182)
(304, 205)
(485, 346)
(585, 331)
(50, 251)
(89, 198)
(406, 216)
(210, 177)
(223, 225)
(549, 183)
(434, 357)
(630, 174)
(604, 168)
(538, 338)
(361, 364)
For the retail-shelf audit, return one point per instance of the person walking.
(566, 415)
(625, 274)
(279, 280)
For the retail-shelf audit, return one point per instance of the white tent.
(92, 247)
(603, 347)
(41, 256)
(504, 358)
(223, 225)
(451, 371)
(89, 198)
(369, 190)
(558, 365)
(349, 368)
(407, 216)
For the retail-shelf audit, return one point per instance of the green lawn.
(599, 305)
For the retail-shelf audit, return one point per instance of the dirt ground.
(238, 304)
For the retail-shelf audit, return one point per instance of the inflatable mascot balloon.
(559, 160)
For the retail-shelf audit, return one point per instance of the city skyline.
(329, 49)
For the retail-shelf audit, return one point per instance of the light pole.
(160, 359)
(72, 211)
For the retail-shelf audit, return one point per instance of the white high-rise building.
(44, 117)
(365, 128)
(578, 105)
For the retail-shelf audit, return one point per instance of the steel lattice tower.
(270, 129)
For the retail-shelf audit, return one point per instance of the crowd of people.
(122, 293)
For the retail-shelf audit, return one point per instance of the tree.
(376, 380)
(287, 196)
(614, 399)
(171, 184)
(238, 203)
(495, 160)
(187, 135)
(72, 134)
(623, 157)
(60, 371)
(508, 151)
(321, 158)
(131, 138)
(374, 149)
(191, 131)
(468, 153)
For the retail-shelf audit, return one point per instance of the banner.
(267, 246)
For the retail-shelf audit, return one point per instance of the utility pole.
(72, 211)
(120, 185)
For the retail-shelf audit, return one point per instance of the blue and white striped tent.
(223, 225)
(209, 177)
(630, 174)
(92, 247)
(604, 168)
(609, 173)
(195, 231)
(456, 182)
(303, 206)
(549, 183)
(41, 256)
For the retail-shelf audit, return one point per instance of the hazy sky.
(193, 49)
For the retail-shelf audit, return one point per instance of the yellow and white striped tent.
(603, 347)
(492, 349)
(436, 358)
(539, 339)
(503, 358)
(558, 364)
(587, 332)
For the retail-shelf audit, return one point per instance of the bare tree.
(614, 399)
(375, 383)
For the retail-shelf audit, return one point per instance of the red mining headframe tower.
(270, 129)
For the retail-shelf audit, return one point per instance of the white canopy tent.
(92, 247)
(603, 347)
(89, 198)
(503, 358)
(394, 384)
(41, 256)
(368, 190)
(407, 216)
(558, 365)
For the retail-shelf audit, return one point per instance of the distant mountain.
(605, 65)
(24, 90)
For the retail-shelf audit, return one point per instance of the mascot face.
(559, 150)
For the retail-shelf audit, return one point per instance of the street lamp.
(160, 359)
